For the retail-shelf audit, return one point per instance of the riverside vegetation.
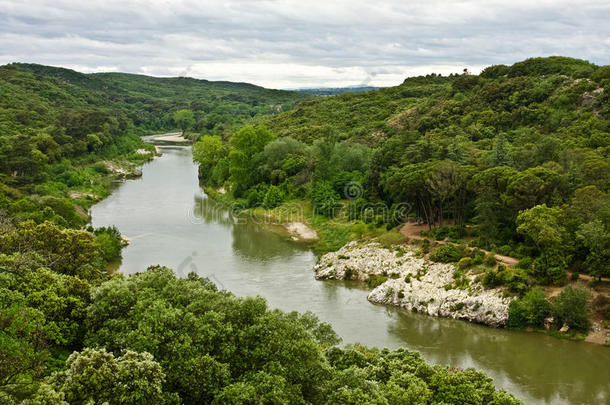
(514, 160)
(74, 332)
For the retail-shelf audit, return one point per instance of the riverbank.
(242, 257)
(418, 284)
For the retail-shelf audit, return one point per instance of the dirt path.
(412, 230)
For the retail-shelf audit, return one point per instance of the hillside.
(150, 101)
(515, 160)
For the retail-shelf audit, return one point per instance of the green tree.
(207, 153)
(501, 154)
(596, 239)
(184, 119)
(325, 199)
(543, 226)
(96, 376)
(246, 155)
(571, 307)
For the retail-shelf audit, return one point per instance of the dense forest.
(72, 331)
(515, 160)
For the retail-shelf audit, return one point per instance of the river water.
(171, 222)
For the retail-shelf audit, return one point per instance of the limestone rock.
(414, 283)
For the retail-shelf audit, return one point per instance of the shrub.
(524, 263)
(448, 232)
(516, 315)
(273, 197)
(447, 253)
(490, 260)
(375, 280)
(325, 199)
(465, 262)
(255, 196)
(109, 241)
(572, 308)
(391, 238)
(536, 306)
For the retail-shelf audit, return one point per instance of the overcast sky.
(288, 44)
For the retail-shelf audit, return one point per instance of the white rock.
(414, 283)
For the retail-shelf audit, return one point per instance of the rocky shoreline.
(402, 279)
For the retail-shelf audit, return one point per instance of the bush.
(325, 199)
(375, 280)
(447, 253)
(524, 263)
(273, 197)
(516, 315)
(477, 260)
(452, 233)
(390, 238)
(490, 260)
(536, 306)
(491, 279)
(572, 308)
(465, 262)
(255, 196)
(109, 241)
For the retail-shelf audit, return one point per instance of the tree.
(596, 239)
(184, 119)
(571, 307)
(501, 154)
(543, 226)
(492, 216)
(325, 199)
(96, 376)
(205, 340)
(207, 153)
(273, 197)
(444, 182)
(246, 155)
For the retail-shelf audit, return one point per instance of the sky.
(295, 44)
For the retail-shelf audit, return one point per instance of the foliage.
(184, 119)
(542, 225)
(273, 197)
(207, 153)
(96, 376)
(447, 253)
(325, 199)
(531, 310)
(571, 307)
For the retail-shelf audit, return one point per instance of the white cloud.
(287, 43)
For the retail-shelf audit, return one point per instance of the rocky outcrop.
(125, 170)
(415, 283)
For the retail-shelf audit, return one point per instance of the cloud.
(286, 43)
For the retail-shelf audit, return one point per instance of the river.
(171, 222)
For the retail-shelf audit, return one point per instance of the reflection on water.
(171, 222)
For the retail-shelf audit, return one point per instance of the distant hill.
(501, 98)
(331, 91)
(48, 113)
(149, 102)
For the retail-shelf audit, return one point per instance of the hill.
(149, 102)
(495, 152)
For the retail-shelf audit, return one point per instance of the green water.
(171, 222)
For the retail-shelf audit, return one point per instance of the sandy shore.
(301, 232)
(171, 137)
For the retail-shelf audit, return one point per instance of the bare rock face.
(416, 284)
